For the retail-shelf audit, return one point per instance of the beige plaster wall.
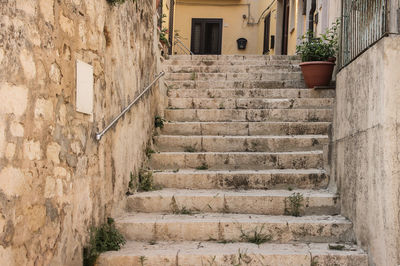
(55, 180)
(366, 149)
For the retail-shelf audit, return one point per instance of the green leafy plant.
(149, 151)
(320, 48)
(159, 122)
(146, 182)
(163, 36)
(102, 239)
(295, 204)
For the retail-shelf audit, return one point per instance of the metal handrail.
(184, 46)
(99, 135)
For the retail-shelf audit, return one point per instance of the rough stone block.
(28, 64)
(15, 99)
(32, 150)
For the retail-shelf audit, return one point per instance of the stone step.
(253, 76)
(265, 179)
(218, 254)
(232, 69)
(249, 103)
(237, 160)
(233, 227)
(250, 93)
(249, 115)
(175, 143)
(235, 57)
(246, 128)
(266, 202)
(247, 63)
(275, 83)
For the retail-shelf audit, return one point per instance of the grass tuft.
(256, 236)
(189, 149)
(204, 166)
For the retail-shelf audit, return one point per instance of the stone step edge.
(170, 192)
(136, 248)
(244, 122)
(140, 217)
(195, 136)
(315, 152)
(268, 171)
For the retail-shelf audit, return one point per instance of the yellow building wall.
(272, 10)
(292, 40)
(234, 25)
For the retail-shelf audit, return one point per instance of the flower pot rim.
(316, 63)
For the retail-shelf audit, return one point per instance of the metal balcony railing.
(364, 22)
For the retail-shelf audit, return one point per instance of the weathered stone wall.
(366, 146)
(55, 180)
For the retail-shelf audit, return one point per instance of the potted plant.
(318, 56)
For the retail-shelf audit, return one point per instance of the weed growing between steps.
(115, 2)
(314, 262)
(159, 122)
(204, 166)
(142, 259)
(102, 239)
(149, 151)
(242, 259)
(295, 204)
(143, 182)
(179, 211)
(255, 236)
(189, 149)
(336, 247)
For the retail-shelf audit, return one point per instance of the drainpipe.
(311, 16)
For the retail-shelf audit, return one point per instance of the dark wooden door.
(267, 33)
(206, 36)
(285, 30)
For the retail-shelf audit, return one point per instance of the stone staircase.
(242, 155)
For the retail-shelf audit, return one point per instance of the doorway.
(267, 33)
(285, 30)
(206, 36)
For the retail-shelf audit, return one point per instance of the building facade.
(267, 26)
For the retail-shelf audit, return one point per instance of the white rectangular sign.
(84, 88)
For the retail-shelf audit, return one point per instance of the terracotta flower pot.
(317, 73)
